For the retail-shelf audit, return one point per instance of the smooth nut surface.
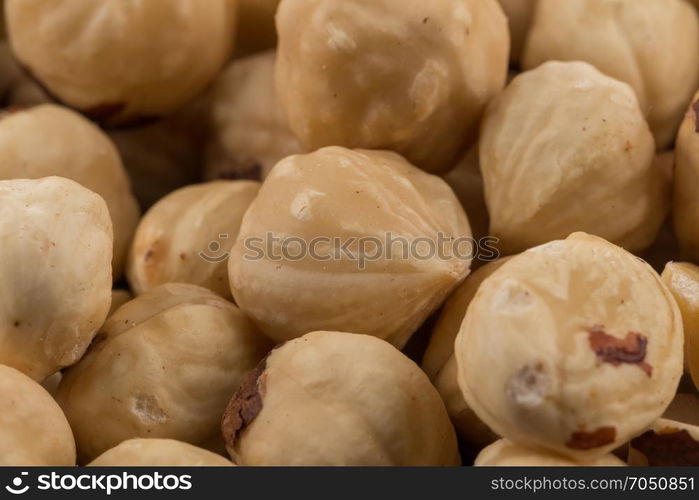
(95, 56)
(682, 278)
(163, 366)
(332, 398)
(158, 453)
(504, 453)
(33, 429)
(55, 263)
(52, 140)
(565, 148)
(628, 40)
(574, 347)
(666, 444)
(250, 131)
(408, 76)
(186, 236)
(685, 201)
(339, 197)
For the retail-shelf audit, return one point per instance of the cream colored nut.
(683, 281)
(119, 298)
(565, 148)
(122, 60)
(629, 40)
(251, 133)
(519, 15)
(186, 237)
(581, 343)
(684, 408)
(686, 203)
(163, 366)
(33, 429)
(467, 182)
(503, 453)
(407, 76)
(52, 140)
(666, 443)
(256, 29)
(332, 398)
(338, 198)
(55, 254)
(158, 453)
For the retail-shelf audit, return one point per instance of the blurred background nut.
(653, 45)
(332, 398)
(565, 148)
(683, 281)
(581, 343)
(376, 206)
(52, 140)
(408, 76)
(686, 201)
(440, 365)
(55, 255)
(250, 132)
(666, 444)
(503, 453)
(158, 453)
(186, 237)
(519, 16)
(255, 28)
(33, 429)
(120, 61)
(163, 366)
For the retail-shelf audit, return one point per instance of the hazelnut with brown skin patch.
(332, 398)
(666, 444)
(504, 453)
(554, 382)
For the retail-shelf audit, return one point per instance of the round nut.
(55, 255)
(326, 244)
(33, 429)
(158, 453)
(686, 203)
(581, 139)
(666, 444)
(186, 237)
(256, 30)
(683, 281)
(628, 40)
(96, 57)
(332, 398)
(503, 453)
(582, 344)
(519, 14)
(250, 131)
(163, 366)
(52, 140)
(411, 77)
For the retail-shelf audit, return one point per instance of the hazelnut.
(582, 344)
(504, 453)
(186, 236)
(683, 281)
(629, 40)
(581, 139)
(96, 57)
(55, 256)
(327, 244)
(519, 15)
(667, 444)
(163, 366)
(250, 131)
(158, 453)
(686, 203)
(411, 77)
(255, 30)
(332, 398)
(33, 429)
(52, 140)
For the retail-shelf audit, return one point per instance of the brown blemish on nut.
(585, 440)
(616, 351)
(149, 255)
(672, 447)
(695, 106)
(245, 405)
